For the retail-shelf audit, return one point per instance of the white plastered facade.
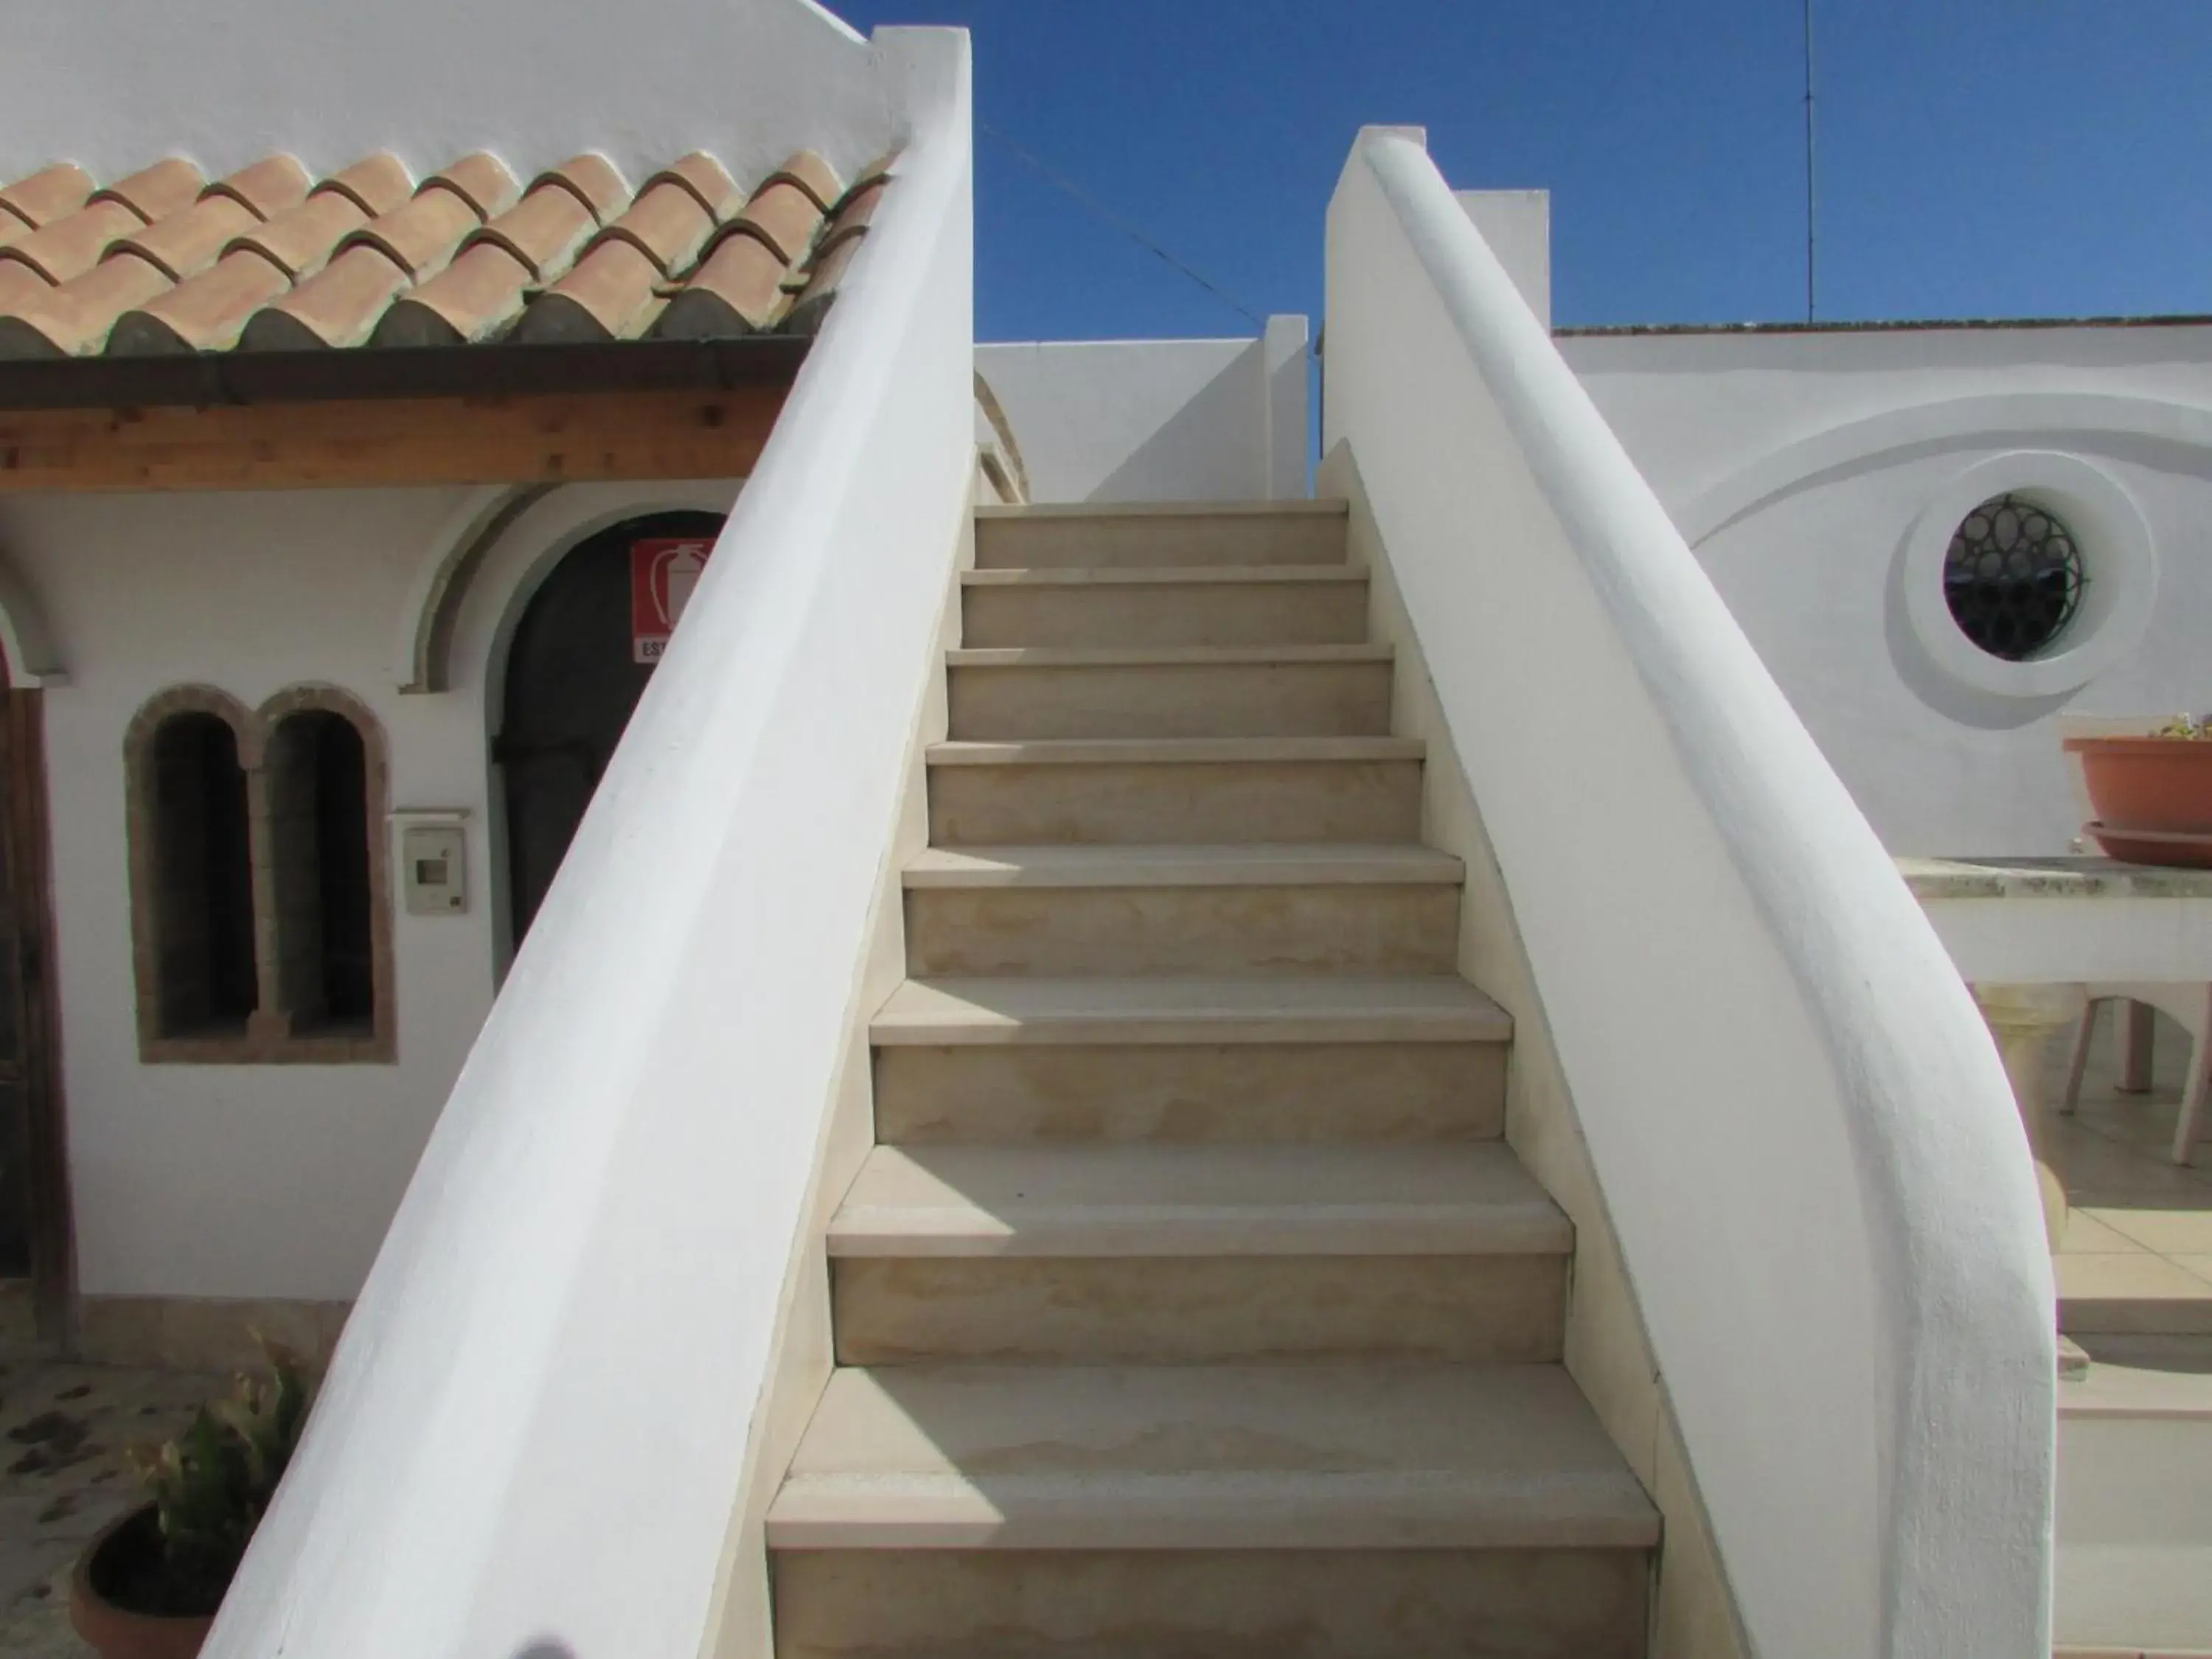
(250, 593)
(1818, 475)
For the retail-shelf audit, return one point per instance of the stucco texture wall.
(265, 1181)
(1158, 420)
(1798, 465)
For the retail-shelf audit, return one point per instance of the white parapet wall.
(537, 1432)
(1820, 1189)
(1159, 420)
(1818, 475)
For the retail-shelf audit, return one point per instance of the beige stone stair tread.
(1137, 751)
(1321, 1008)
(1158, 575)
(1314, 1456)
(1173, 1200)
(1295, 507)
(1147, 864)
(1165, 656)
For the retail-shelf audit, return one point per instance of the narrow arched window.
(319, 845)
(204, 978)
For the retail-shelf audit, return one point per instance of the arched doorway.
(572, 680)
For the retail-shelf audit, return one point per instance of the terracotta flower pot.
(2161, 789)
(114, 1560)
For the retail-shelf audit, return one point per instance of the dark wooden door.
(34, 1231)
(571, 684)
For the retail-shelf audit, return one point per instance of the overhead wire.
(1135, 233)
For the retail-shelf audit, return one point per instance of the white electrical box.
(434, 869)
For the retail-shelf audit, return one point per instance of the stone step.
(1175, 790)
(1152, 909)
(1178, 533)
(1158, 1254)
(1385, 1603)
(1285, 1093)
(1281, 605)
(1258, 1457)
(1170, 1201)
(1020, 1011)
(1171, 692)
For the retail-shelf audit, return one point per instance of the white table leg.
(2186, 1130)
(2024, 1020)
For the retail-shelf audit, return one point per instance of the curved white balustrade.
(536, 1428)
(1819, 1184)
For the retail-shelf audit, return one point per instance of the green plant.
(2194, 728)
(212, 1484)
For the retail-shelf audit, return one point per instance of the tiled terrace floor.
(63, 1430)
(2135, 1268)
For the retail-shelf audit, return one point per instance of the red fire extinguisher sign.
(663, 571)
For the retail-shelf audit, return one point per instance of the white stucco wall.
(1158, 420)
(114, 85)
(1795, 465)
(269, 1181)
(1812, 1161)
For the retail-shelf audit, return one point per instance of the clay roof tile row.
(270, 258)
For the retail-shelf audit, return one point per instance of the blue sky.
(1978, 158)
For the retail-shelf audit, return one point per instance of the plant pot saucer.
(2188, 849)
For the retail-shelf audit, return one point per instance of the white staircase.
(1191, 1303)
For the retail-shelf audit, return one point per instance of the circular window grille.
(2013, 578)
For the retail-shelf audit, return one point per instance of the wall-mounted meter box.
(434, 868)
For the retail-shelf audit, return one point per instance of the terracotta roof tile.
(470, 300)
(266, 188)
(338, 305)
(543, 233)
(480, 179)
(30, 203)
(736, 289)
(72, 246)
(377, 185)
(209, 311)
(268, 258)
(608, 296)
(204, 315)
(299, 242)
(420, 236)
(708, 181)
(592, 180)
(483, 292)
(783, 216)
(812, 305)
(811, 174)
(20, 286)
(666, 224)
(73, 320)
(186, 242)
(167, 187)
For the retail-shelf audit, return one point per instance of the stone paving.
(63, 1429)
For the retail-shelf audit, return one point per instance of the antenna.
(1812, 265)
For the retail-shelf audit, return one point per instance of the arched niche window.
(205, 979)
(319, 846)
(259, 891)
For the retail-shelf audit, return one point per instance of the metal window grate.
(2013, 578)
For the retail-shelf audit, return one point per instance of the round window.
(2012, 577)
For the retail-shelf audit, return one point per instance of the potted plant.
(149, 1586)
(2152, 795)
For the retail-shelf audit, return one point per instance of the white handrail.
(1818, 1181)
(536, 1428)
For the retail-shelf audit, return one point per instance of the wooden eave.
(479, 414)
